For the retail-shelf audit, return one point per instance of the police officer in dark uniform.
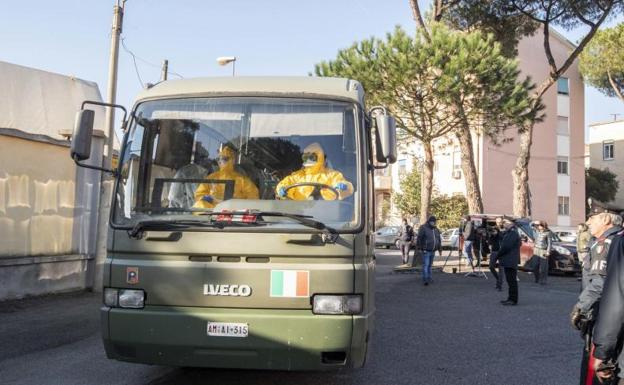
(608, 354)
(605, 225)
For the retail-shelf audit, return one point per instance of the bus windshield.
(189, 158)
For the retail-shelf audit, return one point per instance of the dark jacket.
(406, 233)
(609, 326)
(509, 252)
(428, 238)
(596, 271)
(469, 231)
(494, 238)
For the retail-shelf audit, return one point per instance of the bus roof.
(308, 86)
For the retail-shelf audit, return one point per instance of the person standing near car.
(469, 235)
(604, 224)
(542, 248)
(494, 238)
(406, 233)
(509, 258)
(428, 241)
(583, 238)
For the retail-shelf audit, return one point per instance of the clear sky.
(270, 37)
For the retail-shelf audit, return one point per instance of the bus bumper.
(278, 339)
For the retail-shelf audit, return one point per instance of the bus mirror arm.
(114, 173)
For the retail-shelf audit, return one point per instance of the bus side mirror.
(386, 139)
(83, 132)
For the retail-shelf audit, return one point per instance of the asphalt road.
(451, 332)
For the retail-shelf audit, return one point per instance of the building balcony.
(383, 182)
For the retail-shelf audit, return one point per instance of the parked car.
(450, 239)
(387, 237)
(566, 235)
(563, 259)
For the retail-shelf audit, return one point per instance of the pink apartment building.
(557, 179)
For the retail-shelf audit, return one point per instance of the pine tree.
(602, 62)
(448, 83)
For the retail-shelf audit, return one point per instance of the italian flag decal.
(290, 283)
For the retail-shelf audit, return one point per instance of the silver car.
(450, 239)
(387, 237)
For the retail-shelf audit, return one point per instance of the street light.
(225, 60)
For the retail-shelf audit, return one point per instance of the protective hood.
(311, 167)
(231, 155)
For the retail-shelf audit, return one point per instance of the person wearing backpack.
(406, 233)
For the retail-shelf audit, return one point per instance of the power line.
(136, 68)
(135, 58)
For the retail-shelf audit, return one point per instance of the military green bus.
(242, 222)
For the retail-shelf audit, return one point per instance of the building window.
(563, 87)
(562, 165)
(563, 125)
(564, 206)
(607, 150)
(402, 166)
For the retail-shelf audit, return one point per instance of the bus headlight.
(134, 299)
(126, 298)
(337, 304)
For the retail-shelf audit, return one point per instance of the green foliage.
(447, 209)
(602, 62)
(408, 202)
(425, 82)
(438, 82)
(501, 19)
(601, 184)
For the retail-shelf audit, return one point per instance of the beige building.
(48, 207)
(556, 170)
(606, 151)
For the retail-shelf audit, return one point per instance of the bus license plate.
(227, 329)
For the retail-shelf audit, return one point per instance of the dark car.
(387, 237)
(563, 257)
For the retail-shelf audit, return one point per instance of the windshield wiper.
(159, 224)
(329, 234)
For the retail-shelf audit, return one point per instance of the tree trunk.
(521, 194)
(420, 24)
(426, 183)
(473, 190)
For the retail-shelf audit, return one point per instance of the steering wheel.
(316, 193)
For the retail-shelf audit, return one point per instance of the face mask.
(309, 163)
(432, 223)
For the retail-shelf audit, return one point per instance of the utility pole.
(113, 61)
(106, 183)
(165, 69)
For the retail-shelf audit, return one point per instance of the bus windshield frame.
(243, 124)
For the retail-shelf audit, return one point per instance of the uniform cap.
(597, 207)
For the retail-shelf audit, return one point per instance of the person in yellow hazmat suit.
(208, 195)
(314, 171)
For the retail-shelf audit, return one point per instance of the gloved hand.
(208, 198)
(281, 192)
(576, 318)
(341, 186)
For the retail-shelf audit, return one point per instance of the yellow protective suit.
(315, 172)
(244, 188)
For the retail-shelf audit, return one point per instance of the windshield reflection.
(185, 157)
